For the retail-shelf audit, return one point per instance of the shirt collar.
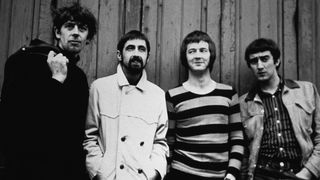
(284, 84)
(122, 80)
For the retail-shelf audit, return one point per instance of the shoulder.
(299, 85)
(104, 82)
(154, 89)
(176, 91)
(224, 86)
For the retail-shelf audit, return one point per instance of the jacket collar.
(122, 80)
(288, 84)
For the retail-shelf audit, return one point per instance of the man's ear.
(57, 32)
(148, 57)
(278, 62)
(119, 56)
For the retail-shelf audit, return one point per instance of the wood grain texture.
(232, 24)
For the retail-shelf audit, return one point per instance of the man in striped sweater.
(205, 131)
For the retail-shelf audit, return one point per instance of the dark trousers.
(277, 169)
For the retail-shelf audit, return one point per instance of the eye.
(83, 27)
(130, 48)
(191, 51)
(204, 50)
(69, 25)
(264, 58)
(142, 48)
(253, 60)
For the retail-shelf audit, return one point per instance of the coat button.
(121, 166)
(141, 143)
(123, 138)
(140, 171)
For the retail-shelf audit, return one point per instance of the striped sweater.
(205, 131)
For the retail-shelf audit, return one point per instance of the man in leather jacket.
(281, 119)
(44, 102)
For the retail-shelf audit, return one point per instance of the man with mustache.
(44, 102)
(281, 118)
(127, 119)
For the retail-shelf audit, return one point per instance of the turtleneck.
(73, 59)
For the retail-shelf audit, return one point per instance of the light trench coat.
(302, 101)
(125, 129)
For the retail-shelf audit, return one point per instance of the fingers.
(57, 58)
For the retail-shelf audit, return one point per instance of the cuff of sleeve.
(234, 171)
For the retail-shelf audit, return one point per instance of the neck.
(271, 85)
(133, 78)
(200, 83)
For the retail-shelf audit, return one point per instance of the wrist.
(60, 78)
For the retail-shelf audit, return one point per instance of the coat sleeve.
(91, 144)
(313, 163)
(160, 148)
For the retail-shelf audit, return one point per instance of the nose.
(259, 64)
(75, 31)
(197, 55)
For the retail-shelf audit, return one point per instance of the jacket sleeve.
(313, 163)
(160, 148)
(91, 144)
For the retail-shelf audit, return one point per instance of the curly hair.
(77, 13)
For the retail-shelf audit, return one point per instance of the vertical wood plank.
(289, 61)
(268, 19)
(306, 37)
(228, 43)
(88, 56)
(213, 30)
(21, 24)
(36, 14)
(62, 3)
(45, 21)
(109, 30)
(248, 28)
(191, 18)
(150, 29)
(5, 19)
(132, 15)
(317, 20)
(170, 44)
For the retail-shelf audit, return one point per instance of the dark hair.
(196, 37)
(77, 13)
(131, 35)
(261, 45)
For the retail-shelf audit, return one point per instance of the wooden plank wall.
(232, 24)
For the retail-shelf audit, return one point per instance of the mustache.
(136, 58)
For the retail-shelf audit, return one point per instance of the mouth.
(75, 42)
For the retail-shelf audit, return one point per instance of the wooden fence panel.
(108, 35)
(5, 16)
(229, 65)
(151, 27)
(248, 31)
(232, 24)
(21, 24)
(289, 51)
(170, 43)
(213, 29)
(132, 15)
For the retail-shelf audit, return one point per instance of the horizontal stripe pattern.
(205, 131)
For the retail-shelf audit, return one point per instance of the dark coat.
(42, 120)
